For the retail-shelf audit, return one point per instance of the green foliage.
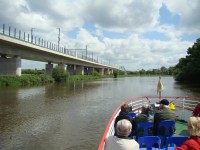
(9, 81)
(162, 71)
(83, 77)
(30, 71)
(45, 79)
(120, 72)
(60, 74)
(115, 73)
(25, 80)
(188, 68)
(95, 73)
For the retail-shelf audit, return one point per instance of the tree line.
(187, 69)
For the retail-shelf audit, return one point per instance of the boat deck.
(181, 128)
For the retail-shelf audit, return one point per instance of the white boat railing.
(184, 107)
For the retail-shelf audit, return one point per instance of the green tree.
(164, 70)
(95, 73)
(60, 74)
(188, 68)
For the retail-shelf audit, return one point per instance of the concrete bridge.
(16, 46)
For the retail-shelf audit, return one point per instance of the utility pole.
(32, 34)
(58, 38)
(86, 51)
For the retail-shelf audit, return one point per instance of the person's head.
(146, 108)
(196, 111)
(124, 127)
(194, 126)
(164, 103)
(125, 108)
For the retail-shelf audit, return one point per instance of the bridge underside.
(12, 66)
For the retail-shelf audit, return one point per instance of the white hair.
(124, 127)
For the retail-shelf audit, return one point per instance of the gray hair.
(146, 108)
(124, 127)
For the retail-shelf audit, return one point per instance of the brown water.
(71, 117)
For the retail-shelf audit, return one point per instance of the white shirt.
(115, 143)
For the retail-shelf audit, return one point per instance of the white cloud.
(124, 16)
(189, 13)
(132, 17)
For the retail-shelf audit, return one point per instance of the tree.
(188, 68)
(60, 74)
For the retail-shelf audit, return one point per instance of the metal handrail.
(182, 104)
(26, 37)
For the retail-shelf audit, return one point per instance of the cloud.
(189, 14)
(124, 16)
(145, 53)
(114, 31)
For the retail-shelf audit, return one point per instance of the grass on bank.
(25, 80)
(37, 77)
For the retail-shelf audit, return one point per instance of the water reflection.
(57, 116)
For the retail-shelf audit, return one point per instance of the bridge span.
(14, 47)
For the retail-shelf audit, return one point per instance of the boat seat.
(177, 140)
(144, 129)
(132, 114)
(165, 129)
(148, 142)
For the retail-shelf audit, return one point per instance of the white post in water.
(160, 87)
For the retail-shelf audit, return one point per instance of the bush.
(115, 74)
(9, 81)
(25, 80)
(30, 71)
(60, 74)
(95, 73)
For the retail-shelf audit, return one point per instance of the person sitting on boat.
(121, 141)
(142, 117)
(125, 109)
(196, 111)
(193, 143)
(163, 113)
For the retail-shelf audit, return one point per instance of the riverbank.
(25, 80)
(41, 79)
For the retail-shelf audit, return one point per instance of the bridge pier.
(75, 69)
(90, 70)
(71, 69)
(49, 68)
(100, 71)
(10, 66)
(79, 69)
(106, 71)
(111, 71)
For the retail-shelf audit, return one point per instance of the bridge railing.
(26, 37)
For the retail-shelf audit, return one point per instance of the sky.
(134, 34)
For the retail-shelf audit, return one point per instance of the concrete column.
(71, 69)
(101, 71)
(90, 69)
(85, 70)
(10, 66)
(106, 71)
(80, 70)
(111, 71)
(49, 68)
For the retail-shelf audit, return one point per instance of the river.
(74, 116)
